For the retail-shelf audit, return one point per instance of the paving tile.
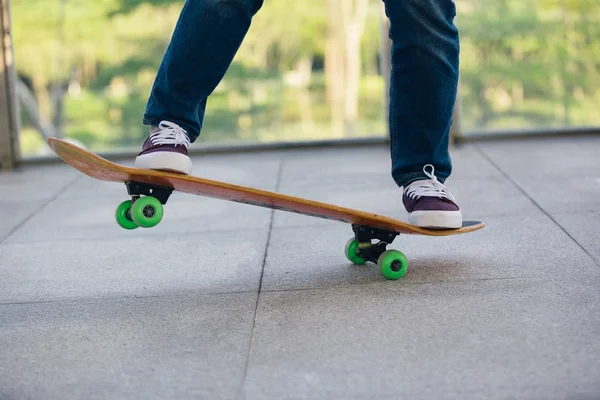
(14, 213)
(386, 199)
(71, 218)
(560, 174)
(86, 208)
(506, 312)
(363, 168)
(584, 227)
(35, 182)
(478, 199)
(311, 257)
(255, 170)
(209, 262)
(338, 178)
(469, 163)
(493, 196)
(559, 157)
(498, 339)
(175, 347)
(570, 194)
(350, 167)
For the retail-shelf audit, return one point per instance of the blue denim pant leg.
(425, 61)
(423, 82)
(204, 43)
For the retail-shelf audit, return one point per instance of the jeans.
(423, 82)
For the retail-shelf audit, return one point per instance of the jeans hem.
(407, 178)
(151, 121)
(156, 121)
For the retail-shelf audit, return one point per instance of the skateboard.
(150, 189)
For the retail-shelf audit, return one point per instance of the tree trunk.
(304, 70)
(343, 63)
(569, 68)
(517, 90)
(352, 89)
(42, 98)
(334, 69)
(354, 16)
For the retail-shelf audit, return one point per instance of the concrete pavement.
(229, 301)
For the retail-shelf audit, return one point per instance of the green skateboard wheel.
(351, 252)
(147, 212)
(123, 216)
(393, 264)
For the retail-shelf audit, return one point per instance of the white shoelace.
(431, 187)
(170, 133)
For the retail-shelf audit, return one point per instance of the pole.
(10, 154)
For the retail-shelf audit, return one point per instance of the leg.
(423, 85)
(425, 51)
(206, 39)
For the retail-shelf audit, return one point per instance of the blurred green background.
(86, 68)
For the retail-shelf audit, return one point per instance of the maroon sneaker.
(430, 204)
(166, 149)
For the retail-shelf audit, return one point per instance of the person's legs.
(204, 43)
(423, 85)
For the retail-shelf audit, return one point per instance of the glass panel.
(529, 64)
(86, 70)
(87, 67)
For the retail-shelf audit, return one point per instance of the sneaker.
(430, 204)
(166, 149)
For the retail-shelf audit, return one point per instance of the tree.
(529, 66)
(347, 20)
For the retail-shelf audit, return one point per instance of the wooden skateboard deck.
(160, 184)
(99, 168)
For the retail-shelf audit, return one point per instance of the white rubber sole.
(165, 161)
(436, 219)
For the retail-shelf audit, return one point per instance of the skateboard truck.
(146, 211)
(136, 189)
(361, 249)
(368, 250)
